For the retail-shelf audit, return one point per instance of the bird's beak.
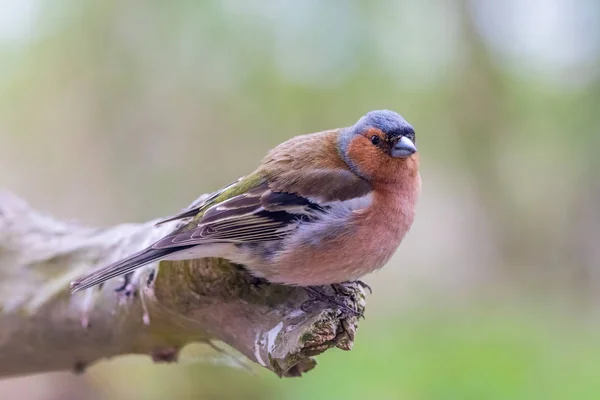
(403, 148)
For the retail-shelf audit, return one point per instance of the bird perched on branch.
(322, 208)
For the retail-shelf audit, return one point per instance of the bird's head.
(380, 147)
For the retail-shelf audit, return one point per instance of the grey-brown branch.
(44, 328)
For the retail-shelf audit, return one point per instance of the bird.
(321, 209)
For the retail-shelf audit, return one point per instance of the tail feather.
(121, 267)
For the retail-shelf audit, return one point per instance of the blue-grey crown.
(390, 123)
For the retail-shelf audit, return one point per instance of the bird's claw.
(348, 288)
(364, 285)
(335, 301)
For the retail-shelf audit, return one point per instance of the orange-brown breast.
(360, 245)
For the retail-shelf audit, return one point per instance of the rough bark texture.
(44, 328)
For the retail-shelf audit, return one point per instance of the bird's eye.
(375, 140)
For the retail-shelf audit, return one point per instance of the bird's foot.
(349, 288)
(337, 300)
(363, 285)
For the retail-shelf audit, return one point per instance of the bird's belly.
(349, 254)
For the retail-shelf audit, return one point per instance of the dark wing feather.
(257, 215)
(121, 267)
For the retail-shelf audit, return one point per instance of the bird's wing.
(200, 205)
(256, 215)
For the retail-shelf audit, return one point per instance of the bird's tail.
(121, 267)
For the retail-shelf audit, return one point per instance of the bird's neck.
(399, 196)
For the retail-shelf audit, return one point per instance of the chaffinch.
(321, 208)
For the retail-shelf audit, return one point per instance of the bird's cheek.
(364, 156)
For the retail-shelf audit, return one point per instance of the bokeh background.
(124, 110)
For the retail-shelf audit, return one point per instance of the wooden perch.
(44, 328)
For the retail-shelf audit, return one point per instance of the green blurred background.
(124, 110)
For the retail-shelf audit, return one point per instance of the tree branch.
(44, 328)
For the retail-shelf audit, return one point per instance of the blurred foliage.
(126, 110)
